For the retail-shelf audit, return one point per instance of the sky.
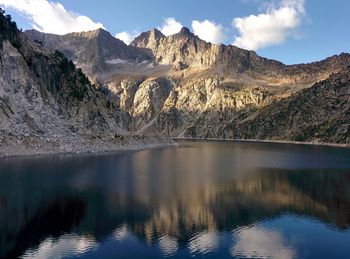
(291, 31)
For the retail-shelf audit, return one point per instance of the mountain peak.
(146, 38)
(156, 32)
(96, 33)
(153, 34)
(185, 31)
(100, 30)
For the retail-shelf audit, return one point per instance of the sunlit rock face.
(183, 49)
(149, 100)
(48, 105)
(209, 91)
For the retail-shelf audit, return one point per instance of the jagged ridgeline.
(182, 86)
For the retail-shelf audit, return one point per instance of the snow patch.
(116, 61)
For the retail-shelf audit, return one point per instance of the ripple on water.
(66, 245)
(260, 242)
(204, 242)
(168, 245)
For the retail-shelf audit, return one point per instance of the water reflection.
(258, 242)
(212, 199)
(64, 246)
(204, 242)
(168, 245)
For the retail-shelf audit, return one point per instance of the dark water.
(204, 200)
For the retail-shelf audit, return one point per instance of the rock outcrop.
(319, 114)
(49, 105)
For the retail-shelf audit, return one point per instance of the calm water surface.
(203, 199)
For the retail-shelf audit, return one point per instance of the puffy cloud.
(170, 26)
(51, 17)
(270, 28)
(209, 31)
(127, 37)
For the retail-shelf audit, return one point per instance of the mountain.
(320, 113)
(49, 105)
(182, 86)
(186, 50)
(95, 52)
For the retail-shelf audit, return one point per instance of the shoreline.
(38, 147)
(265, 141)
(130, 143)
(88, 153)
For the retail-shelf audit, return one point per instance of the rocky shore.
(28, 145)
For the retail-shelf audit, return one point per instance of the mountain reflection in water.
(212, 199)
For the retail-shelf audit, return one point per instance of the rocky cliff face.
(95, 52)
(183, 86)
(48, 103)
(36, 82)
(183, 49)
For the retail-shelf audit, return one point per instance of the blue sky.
(292, 31)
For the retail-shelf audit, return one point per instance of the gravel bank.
(27, 145)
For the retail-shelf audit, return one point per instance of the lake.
(199, 200)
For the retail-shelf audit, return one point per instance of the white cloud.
(209, 31)
(170, 26)
(270, 28)
(51, 17)
(127, 37)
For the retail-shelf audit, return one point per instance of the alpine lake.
(202, 199)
